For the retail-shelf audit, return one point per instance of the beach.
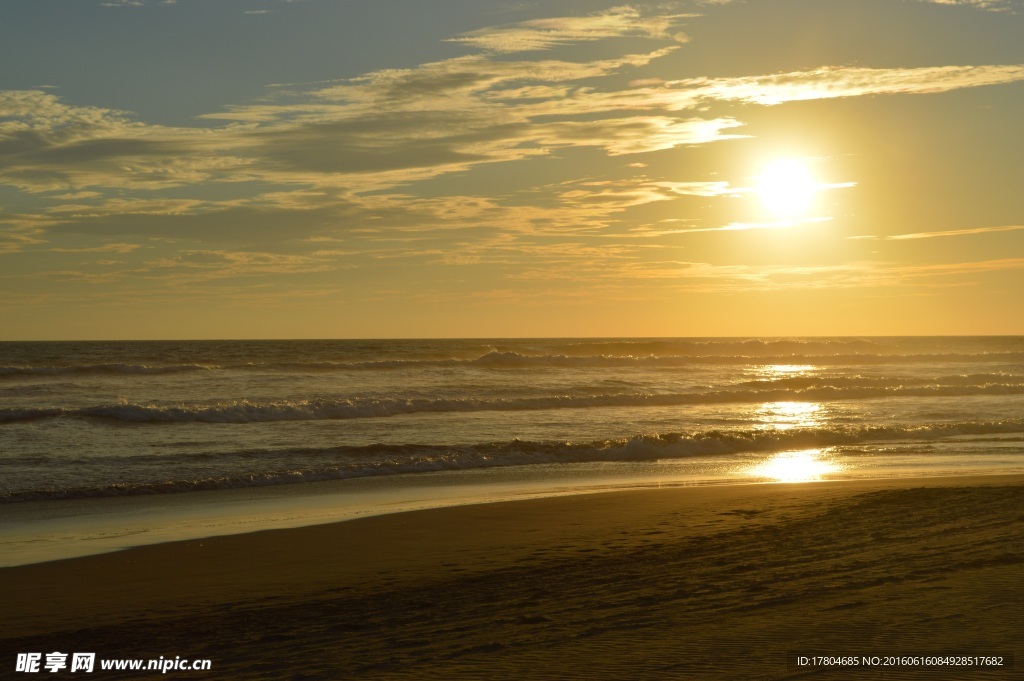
(719, 581)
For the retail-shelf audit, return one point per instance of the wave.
(515, 359)
(798, 382)
(746, 347)
(113, 368)
(344, 462)
(318, 409)
(497, 359)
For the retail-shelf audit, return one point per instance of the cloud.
(134, 3)
(106, 248)
(544, 34)
(708, 277)
(22, 110)
(446, 116)
(394, 127)
(47, 145)
(647, 231)
(990, 5)
(451, 81)
(633, 135)
(249, 223)
(612, 196)
(221, 264)
(14, 242)
(833, 82)
(341, 160)
(959, 268)
(828, 82)
(188, 275)
(699, 188)
(933, 235)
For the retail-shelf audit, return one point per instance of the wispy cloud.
(544, 34)
(377, 131)
(220, 264)
(708, 277)
(51, 146)
(835, 81)
(733, 227)
(933, 235)
(989, 5)
(394, 127)
(106, 248)
(136, 3)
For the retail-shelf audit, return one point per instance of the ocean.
(99, 420)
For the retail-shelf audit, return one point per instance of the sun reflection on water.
(786, 415)
(793, 466)
(803, 466)
(781, 370)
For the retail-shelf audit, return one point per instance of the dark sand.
(674, 583)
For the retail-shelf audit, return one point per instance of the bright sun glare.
(803, 466)
(786, 188)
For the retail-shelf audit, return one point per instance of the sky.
(485, 168)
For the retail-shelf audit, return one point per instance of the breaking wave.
(498, 359)
(318, 409)
(337, 463)
(115, 368)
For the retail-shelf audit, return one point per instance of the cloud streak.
(545, 34)
(934, 235)
(988, 5)
(836, 81)
(709, 277)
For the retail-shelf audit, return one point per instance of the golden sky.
(330, 168)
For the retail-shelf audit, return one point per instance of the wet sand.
(679, 583)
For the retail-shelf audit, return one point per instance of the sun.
(787, 188)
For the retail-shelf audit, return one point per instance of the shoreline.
(57, 529)
(759, 566)
(41, 531)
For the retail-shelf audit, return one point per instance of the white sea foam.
(335, 463)
(254, 411)
(517, 360)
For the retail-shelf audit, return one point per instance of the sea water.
(88, 420)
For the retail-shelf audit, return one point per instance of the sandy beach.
(691, 582)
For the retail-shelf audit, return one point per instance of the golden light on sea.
(808, 465)
(786, 415)
(782, 370)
